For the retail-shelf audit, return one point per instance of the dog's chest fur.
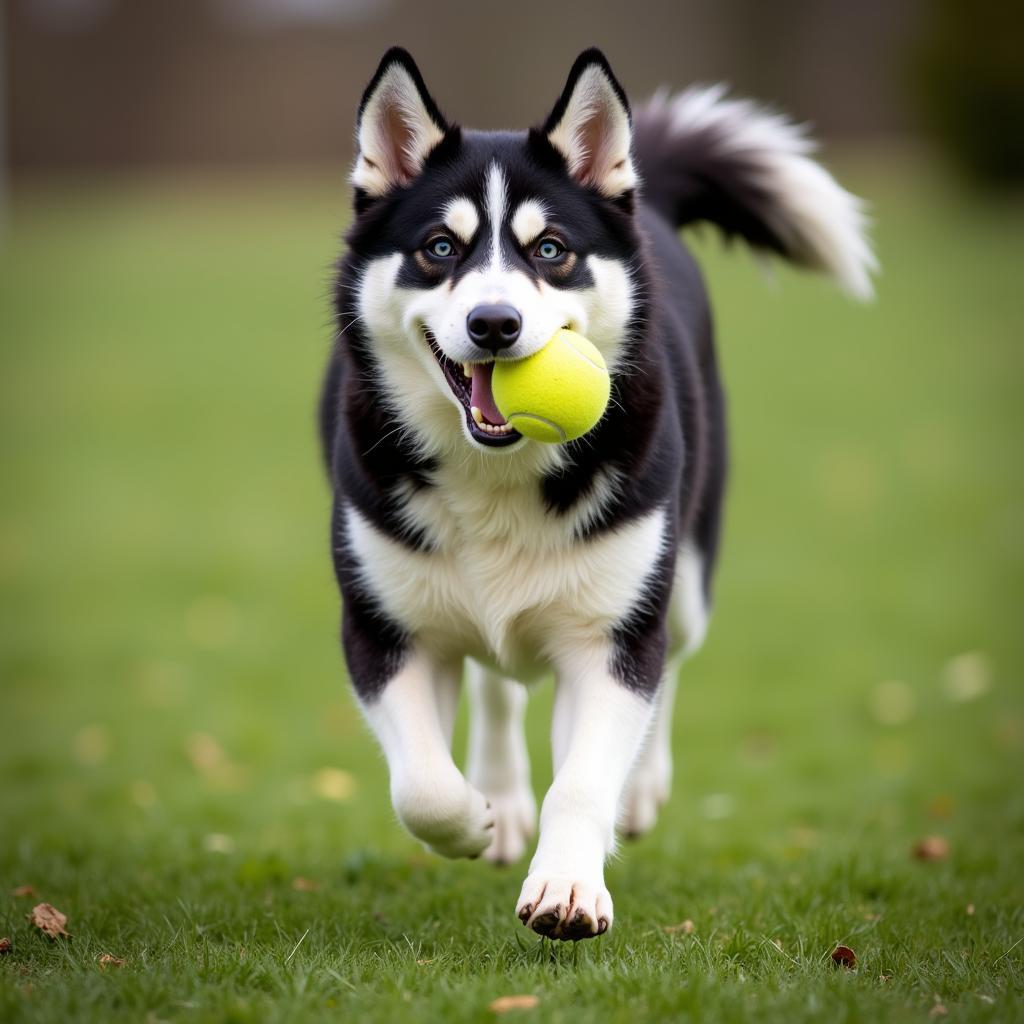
(504, 578)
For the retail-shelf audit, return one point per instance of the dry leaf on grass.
(211, 761)
(300, 884)
(970, 910)
(24, 890)
(938, 1010)
(505, 1003)
(5, 946)
(931, 848)
(334, 784)
(967, 676)
(892, 702)
(843, 956)
(686, 927)
(109, 960)
(942, 806)
(218, 842)
(49, 920)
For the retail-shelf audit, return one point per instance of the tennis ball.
(558, 393)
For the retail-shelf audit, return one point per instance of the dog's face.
(470, 247)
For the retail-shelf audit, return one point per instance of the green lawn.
(177, 739)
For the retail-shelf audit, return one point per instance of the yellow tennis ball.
(558, 393)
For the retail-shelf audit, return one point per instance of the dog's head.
(469, 247)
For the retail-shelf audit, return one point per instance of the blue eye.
(549, 249)
(441, 248)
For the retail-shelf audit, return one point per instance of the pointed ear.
(397, 126)
(590, 127)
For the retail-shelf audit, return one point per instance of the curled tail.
(706, 157)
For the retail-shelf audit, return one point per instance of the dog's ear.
(590, 127)
(397, 126)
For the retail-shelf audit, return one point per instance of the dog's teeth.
(477, 415)
(467, 371)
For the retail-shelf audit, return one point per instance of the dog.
(462, 547)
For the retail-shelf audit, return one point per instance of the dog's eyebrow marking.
(528, 221)
(496, 198)
(461, 218)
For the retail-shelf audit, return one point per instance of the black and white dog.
(460, 545)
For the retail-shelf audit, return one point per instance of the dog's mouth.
(471, 385)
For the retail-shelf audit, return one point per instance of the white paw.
(646, 791)
(451, 818)
(565, 908)
(515, 817)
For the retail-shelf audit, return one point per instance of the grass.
(177, 741)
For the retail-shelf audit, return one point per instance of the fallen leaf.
(505, 1003)
(211, 761)
(938, 1010)
(333, 784)
(686, 927)
(48, 919)
(300, 884)
(717, 806)
(967, 676)
(843, 956)
(931, 848)
(218, 842)
(970, 910)
(109, 960)
(205, 753)
(24, 890)
(941, 807)
(5, 946)
(892, 702)
(804, 837)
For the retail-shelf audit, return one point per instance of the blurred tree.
(972, 84)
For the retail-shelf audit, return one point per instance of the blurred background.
(110, 85)
(173, 700)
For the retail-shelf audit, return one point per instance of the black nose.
(494, 327)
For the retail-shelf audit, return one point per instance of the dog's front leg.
(597, 731)
(411, 715)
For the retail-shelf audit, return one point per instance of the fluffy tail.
(705, 157)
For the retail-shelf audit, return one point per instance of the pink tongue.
(480, 394)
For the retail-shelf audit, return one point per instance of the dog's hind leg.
(498, 762)
(651, 780)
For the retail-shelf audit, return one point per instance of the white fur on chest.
(507, 581)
